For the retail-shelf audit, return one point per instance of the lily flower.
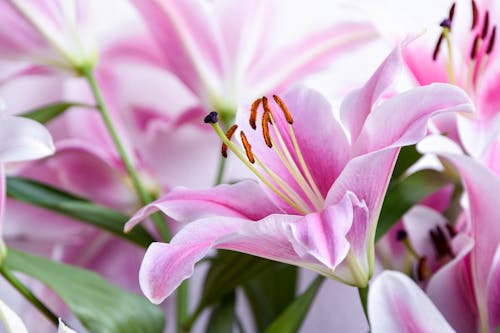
(51, 33)
(20, 139)
(227, 52)
(397, 304)
(319, 193)
(467, 289)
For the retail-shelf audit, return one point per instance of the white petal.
(63, 328)
(10, 320)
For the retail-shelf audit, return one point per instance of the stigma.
(274, 125)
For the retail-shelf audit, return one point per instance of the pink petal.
(2, 199)
(397, 304)
(402, 120)
(189, 39)
(23, 139)
(358, 104)
(493, 293)
(451, 288)
(243, 200)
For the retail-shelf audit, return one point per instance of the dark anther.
(401, 235)
(474, 14)
(452, 12)
(211, 118)
(440, 242)
(247, 146)
(473, 51)
(229, 135)
(283, 107)
(436, 49)
(253, 112)
(446, 23)
(422, 269)
(486, 25)
(491, 43)
(451, 231)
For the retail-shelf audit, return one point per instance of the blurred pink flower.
(56, 34)
(322, 190)
(229, 52)
(397, 304)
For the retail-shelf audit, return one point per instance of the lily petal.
(10, 320)
(493, 293)
(397, 304)
(243, 200)
(23, 139)
(63, 328)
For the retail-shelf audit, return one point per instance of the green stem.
(23, 290)
(182, 306)
(220, 170)
(363, 296)
(144, 195)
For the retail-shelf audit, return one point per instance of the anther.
(253, 112)
(265, 104)
(211, 118)
(265, 129)
(491, 43)
(485, 25)
(436, 49)
(248, 147)
(452, 12)
(473, 51)
(229, 135)
(474, 15)
(422, 269)
(451, 230)
(401, 235)
(446, 23)
(283, 107)
(440, 243)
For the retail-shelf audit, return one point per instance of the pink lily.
(51, 33)
(317, 203)
(227, 52)
(397, 304)
(464, 52)
(466, 290)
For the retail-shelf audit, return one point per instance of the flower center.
(304, 196)
(482, 43)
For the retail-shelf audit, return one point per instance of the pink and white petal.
(481, 186)
(2, 197)
(323, 235)
(10, 320)
(189, 39)
(418, 58)
(63, 328)
(451, 288)
(358, 104)
(493, 293)
(23, 139)
(402, 120)
(397, 304)
(243, 200)
(165, 266)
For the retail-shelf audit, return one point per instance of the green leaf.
(48, 112)
(405, 193)
(223, 317)
(270, 293)
(100, 306)
(291, 319)
(51, 198)
(228, 271)
(408, 155)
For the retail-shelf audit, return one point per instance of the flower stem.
(144, 196)
(363, 296)
(23, 290)
(182, 305)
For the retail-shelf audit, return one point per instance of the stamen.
(436, 49)
(248, 147)
(211, 118)
(253, 112)
(485, 25)
(474, 15)
(475, 44)
(452, 12)
(229, 135)
(401, 235)
(451, 231)
(440, 242)
(422, 269)
(265, 129)
(446, 23)
(491, 42)
(283, 107)
(265, 104)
